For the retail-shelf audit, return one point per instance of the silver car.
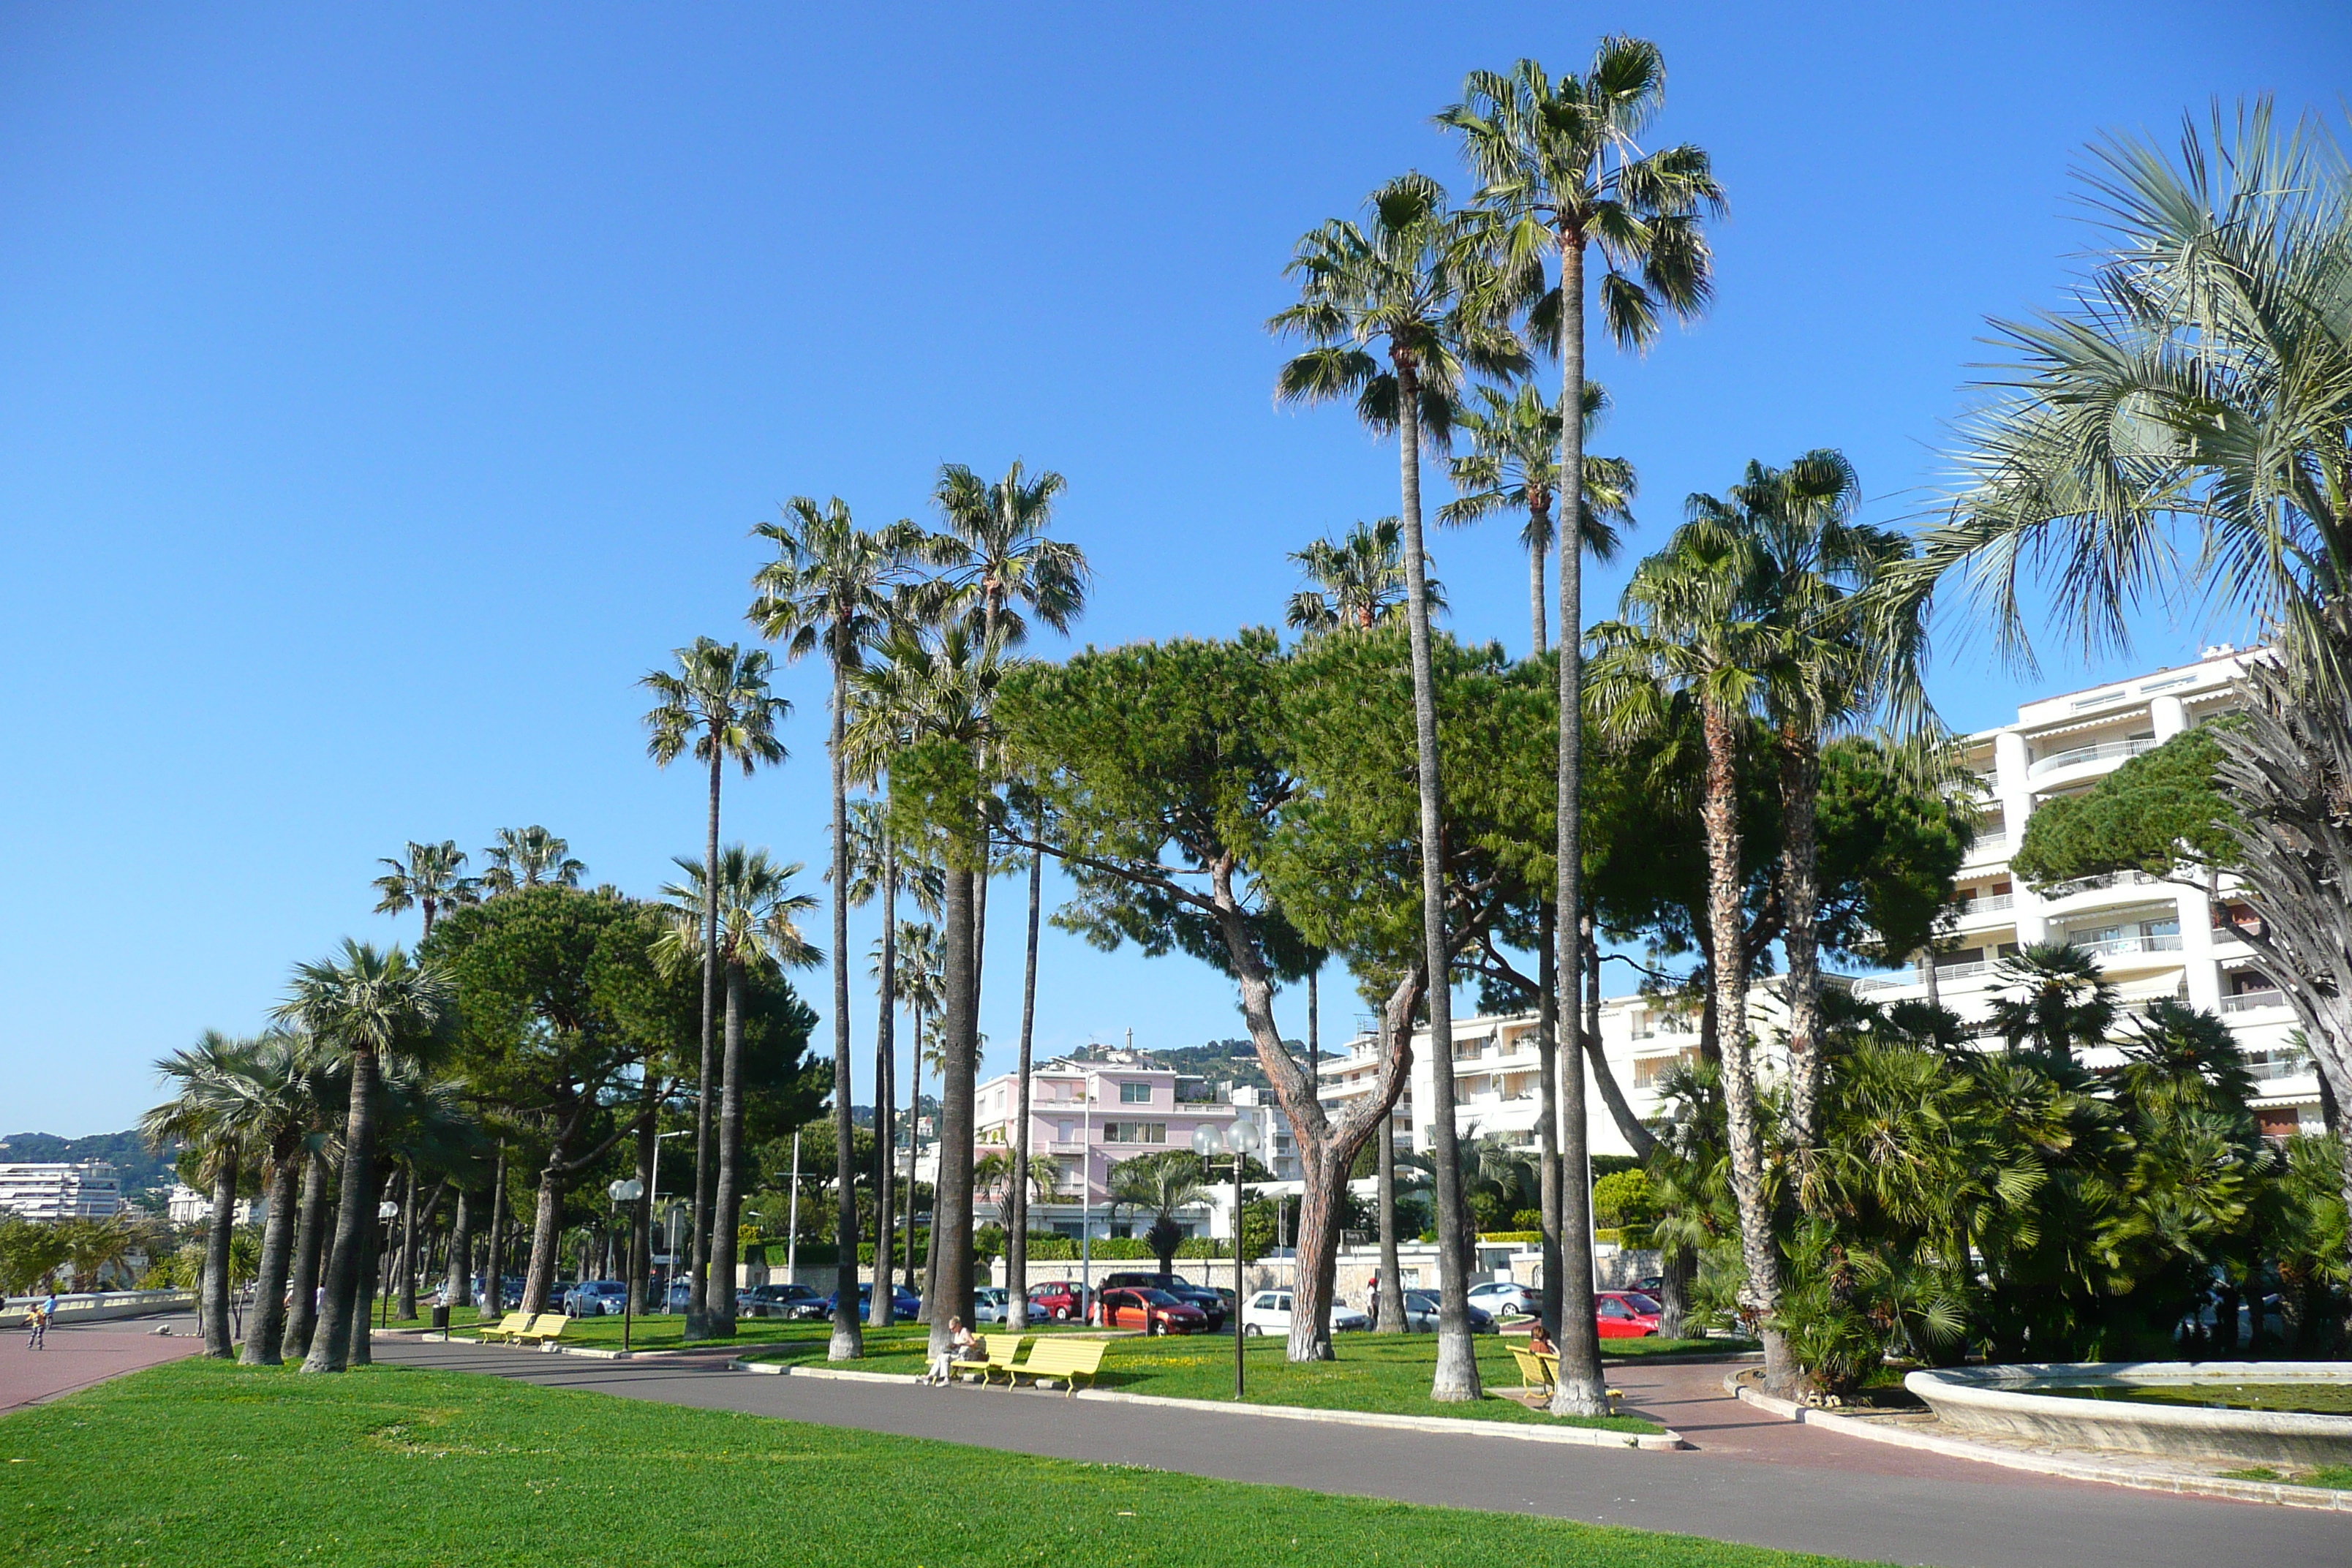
(1506, 1297)
(991, 1305)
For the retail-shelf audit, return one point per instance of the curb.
(422, 1337)
(1574, 1437)
(2325, 1498)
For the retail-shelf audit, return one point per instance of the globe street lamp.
(628, 1190)
(1239, 1140)
(386, 1213)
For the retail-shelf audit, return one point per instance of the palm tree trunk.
(460, 1280)
(309, 1242)
(641, 1213)
(494, 1250)
(1581, 1390)
(1547, 1166)
(1388, 1296)
(330, 1337)
(265, 1334)
(886, 1090)
(848, 1341)
(408, 1246)
(212, 1303)
(361, 1352)
(1016, 1253)
(914, 1136)
(1457, 1377)
(930, 1291)
(1537, 640)
(1801, 870)
(1760, 1296)
(951, 1190)
(723, 1245)
(697, 1301)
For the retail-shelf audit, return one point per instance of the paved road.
(1751, 1480)
(85, 1353)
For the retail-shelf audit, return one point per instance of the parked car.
(674, 1298)
(1269, 1313)
(904, 1303)
(1420, 1314)
(596, 1299)
(775, 1300)
(991, 1305)
(1651, 1285)
(1624, 1315)
(1507, 1296)
(1211, 1302)
(1059, 1299)
(1153, 1312)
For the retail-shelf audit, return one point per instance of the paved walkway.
(85, 1353)
(1751, 1478)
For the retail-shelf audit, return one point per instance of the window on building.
(1135, 1132)
(1135, 1094)
(1066, 1131)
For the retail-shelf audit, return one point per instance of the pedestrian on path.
(37, 1323)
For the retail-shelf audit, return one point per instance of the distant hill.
(137, 1166)
(1222, 1062)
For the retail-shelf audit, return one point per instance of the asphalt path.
(1751, 1478)
(84, 1354)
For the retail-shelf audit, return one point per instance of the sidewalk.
(85, 1353)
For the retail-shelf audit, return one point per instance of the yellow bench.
(545, 1332)
(1055, 1355)
(997, 1351)
(1536, 1371)
(509, 1327)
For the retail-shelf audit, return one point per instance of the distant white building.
(186, 1206)
(88, 1190)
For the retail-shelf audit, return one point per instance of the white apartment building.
(188, 1206)
(88, 1190)
(2153, 938)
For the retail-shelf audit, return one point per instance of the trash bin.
(441, 1321)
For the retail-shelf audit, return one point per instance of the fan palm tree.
(1160, 1186)
(717, 703)
(755, 912)
(1563, 171)
(526, 858)
(432, 878)
(874, 871)
(277, 1110)
(993, 1174)
(1513, 464)
(208, 1084)
(1409, 280)
(994, 559)
(367, 1004)
(833, 587)
(922, 988)
(2063, 1003)
(1358, 581)
(1690, 637)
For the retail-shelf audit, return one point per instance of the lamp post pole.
(628, 1190)
(793, 1225)
(1086, 1201)
(386, 1213)
(1238, 1140)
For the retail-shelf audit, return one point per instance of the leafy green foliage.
(2160, 812)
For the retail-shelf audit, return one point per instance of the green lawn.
(213, 1466)
(1384, 1372)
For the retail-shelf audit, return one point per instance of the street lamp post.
(386, 1213)
(793, 1225)
(1239, 1140)
(628, 1190)
(654, 1208)
(1086, 1201)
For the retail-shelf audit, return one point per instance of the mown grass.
(213, 1466)
(2338, 1476)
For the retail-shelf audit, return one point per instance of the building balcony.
(1990, 845)
(2123, 946)
(1990, 904)
(2254, 1001)
(2086, 757)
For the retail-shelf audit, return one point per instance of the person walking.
(43, 1312)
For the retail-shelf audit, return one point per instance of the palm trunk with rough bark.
(1456, 1377)
(1539, 518)
(361, 1352)
(408, 1247)
(309, 1242)
(494, 1250)
(265, 1335)
(719, 1302)
(460, 1277)
(1581, 1390)
(886, 1089)
(1388, 1294)
(698, 1297)
(641, 1213)
(330, 1339)
(849, 1339)
(1800, 872)
(1760, 1296)
(220, 1229)
(951, 1192)
(914, 1151)
(1016, 1245)
(1548, 1161)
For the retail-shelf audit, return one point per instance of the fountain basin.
(2016, 1402)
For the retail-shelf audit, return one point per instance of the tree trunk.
(1582, 1391)
(460, 1277)
(310, 1241)
(330, 1339)
(848, 1339)
(886, 1089)
(721, 1301)
(1760, 1296)
(220, 1229)
(1547, 1164)
(546, 1237)
(641, 1213)
(1801, 870)
(1457, 1377)
(1388, 1292)
(264, 1336)
(951, 1190)
(1639, 1139)
(914, 1149)
(408, 1246)
(1536, 639)
(361, 1351)
(697, 1298)
(1676, 1268)
(494, 1252)
(1016, 1245)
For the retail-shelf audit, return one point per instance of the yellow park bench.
(1536, 1371)
(545, 1332)
(1059, 1357)
(508, 1327)
(997, 1355)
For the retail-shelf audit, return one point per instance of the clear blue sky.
(382, 392)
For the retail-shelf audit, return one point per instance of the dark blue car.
(904, 1304)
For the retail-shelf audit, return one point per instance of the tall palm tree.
(717, 703)
(1690, 636)
(832, 587)
(432, 878)
(754, 911)
(1513, 464)
(527, 857)
(209, 1089)
(874, 871)
(276, 1110)
(1357, 581)
(1563, 172)
(1016, 1247)
(1162, 1185)
(1409, 280)
(921, 986)
(994, 559)
(367, 1004)
(2063, 1003)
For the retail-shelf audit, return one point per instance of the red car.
(1624, 1315)
(1153, 1312)
(1057, 1299)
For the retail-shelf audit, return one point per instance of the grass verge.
(200, 1463)
(2338, 1476)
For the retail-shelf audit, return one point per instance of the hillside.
(1223, 1060)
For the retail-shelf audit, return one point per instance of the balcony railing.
(1991, 903)
(2121, 945)
(1992, 842)
(2106, 751)
(2268, 1067)
(2253, 1001)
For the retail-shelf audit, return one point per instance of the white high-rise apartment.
(88, 1190)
